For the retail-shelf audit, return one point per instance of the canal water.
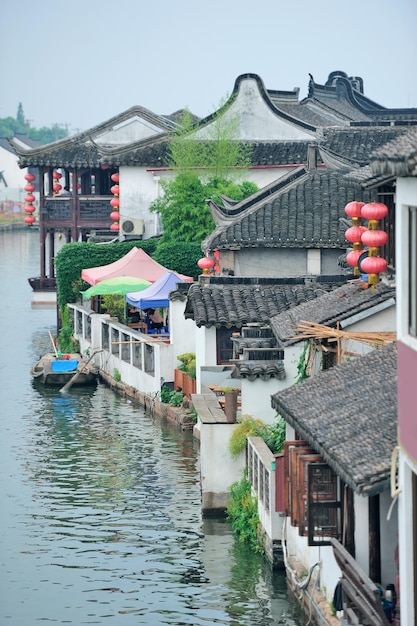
(100, 503)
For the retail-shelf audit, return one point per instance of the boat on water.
(60, 370)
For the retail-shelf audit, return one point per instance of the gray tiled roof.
(398, 157)
(305, 213)
(356, 144)
(349, 415)
(332, 307)
(337, 104)
(235, 302)
(80, 150)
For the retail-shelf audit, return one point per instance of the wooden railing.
(362, 602)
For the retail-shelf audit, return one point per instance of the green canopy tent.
(118, 285)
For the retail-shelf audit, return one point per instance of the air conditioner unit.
(132, 226)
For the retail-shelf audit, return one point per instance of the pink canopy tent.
(135, 263)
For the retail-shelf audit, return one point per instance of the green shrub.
(188, 363)
(116, 375)
(169, 396)
(181, 257)
(247, 427)
(115, 306)
(242, 512)
(176, 398)
(274, 435)
(66, 342)
(76, 256)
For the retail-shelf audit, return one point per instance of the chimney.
(312, 157)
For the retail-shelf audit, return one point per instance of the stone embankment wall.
(312, 601)
(176, 415)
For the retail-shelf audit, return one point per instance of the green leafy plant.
(169, 396)
(176, 398)
(116, 375)
(188, 363)
(274, 435)
(242, 512)
(65, 341)
(247, 427)
(179, 256)
(302, 364)
(115, 306)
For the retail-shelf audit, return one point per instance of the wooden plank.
(208, 409)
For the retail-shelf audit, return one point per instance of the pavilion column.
(51, 253)
(42, 231)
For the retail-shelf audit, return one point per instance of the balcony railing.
(90, 208)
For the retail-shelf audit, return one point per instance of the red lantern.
(205, 264)
(374, 211)
(57, 187)
(352, 257)
(375, 238)
(354, 209)
(30, 177)
(29, 208)
(29, 187)
(115, 190)
(115, 226)
(30, 198)
(374, 265)
(354, 234)
(115, 202)
(56, 175)
(115, 177)
(29, 220)
(115, 216)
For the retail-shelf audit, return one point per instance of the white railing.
(142, 362)
(261, 474)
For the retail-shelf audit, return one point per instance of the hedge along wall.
(74, 257)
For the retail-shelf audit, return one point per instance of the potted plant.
(185, 374)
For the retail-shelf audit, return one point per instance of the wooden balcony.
(89, 211)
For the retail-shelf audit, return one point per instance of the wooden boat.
(59, 370)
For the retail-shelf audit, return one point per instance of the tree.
(207, 160)
(20, 116)
(215, 149)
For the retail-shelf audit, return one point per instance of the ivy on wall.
(74, 257)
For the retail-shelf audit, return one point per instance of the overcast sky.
(82, 62)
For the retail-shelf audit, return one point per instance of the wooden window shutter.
(324, 504)
(291, 450)
(304, 461)
(280, 491)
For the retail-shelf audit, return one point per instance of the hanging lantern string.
(115, 202)
(29, 207)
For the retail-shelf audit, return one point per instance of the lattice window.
(324, 504)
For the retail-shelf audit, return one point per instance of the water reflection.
(115, 522)
(101, 516)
